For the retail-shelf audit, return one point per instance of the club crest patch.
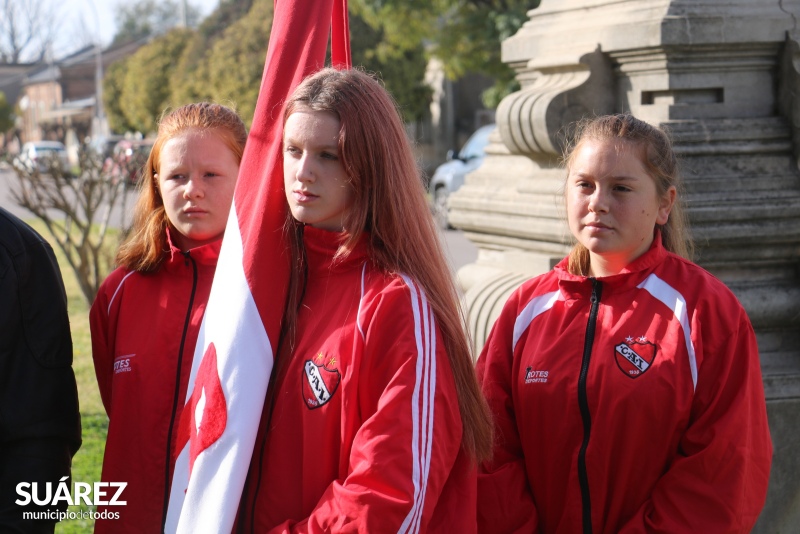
(634, 357)
(319, 384)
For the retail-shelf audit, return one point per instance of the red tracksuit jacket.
(365, 431)
(631, 403)
(144, 328)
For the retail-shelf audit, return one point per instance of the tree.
(228, 12)
(236, 61)
(149, 18)
(223, 60)
(229, 70)
(146, 90)
(400, 66)
(174, 68)
(464, 34)
(226, 63)
(190, 83)
(76, 211)
(27, 29)
(6, 114)
(469, 40)
(113, 94)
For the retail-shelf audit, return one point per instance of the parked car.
(104, 145)
(41, 154)
(128, 159)
(449, 176)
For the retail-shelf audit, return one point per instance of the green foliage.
(192, 74)
(230, 71)
(223, 59)
(503, 86)
(148, 18)
(405, 23)
(190, 80)
(86, 467)
(146, 91)
(469, 38)
(464, 34)
(113, 93)
(6, 114)
(401, 68)
(228, 12)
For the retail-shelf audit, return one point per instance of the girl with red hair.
(146, 316)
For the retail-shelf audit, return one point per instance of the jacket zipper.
(583, 402)
(175, 398)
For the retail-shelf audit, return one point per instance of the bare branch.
(27, 29)
(76, 211)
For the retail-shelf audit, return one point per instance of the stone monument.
(724, 77)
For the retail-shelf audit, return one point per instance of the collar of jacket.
(204, 255)
(575, 286)
(321, 246)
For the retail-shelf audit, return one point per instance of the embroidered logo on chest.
(319, 381)
(535, 377)
(635, 357)
(123, 364)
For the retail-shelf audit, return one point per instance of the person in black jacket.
(40, 427)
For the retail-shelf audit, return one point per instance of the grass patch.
(86, 467)
(87, 463)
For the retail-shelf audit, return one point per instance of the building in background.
(58, 100)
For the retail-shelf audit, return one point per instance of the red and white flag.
(239, 333)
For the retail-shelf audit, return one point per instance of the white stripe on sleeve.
(422, 420)
(536, 306)
(110, 302)
(360, 302)
(673, 299)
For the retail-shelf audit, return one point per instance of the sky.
(98, 15)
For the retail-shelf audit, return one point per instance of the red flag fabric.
(340, 36)
(205, 415)
(245, 308)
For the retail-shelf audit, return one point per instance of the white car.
(40, 154)
(449, 176)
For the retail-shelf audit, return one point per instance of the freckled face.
(316, 184)
(196, 177)
(612, 204)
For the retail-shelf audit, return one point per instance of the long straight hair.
(388, 204)
(146, 246)
(658, 157)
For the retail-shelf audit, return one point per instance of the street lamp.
(101, 126)
(99, 123)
